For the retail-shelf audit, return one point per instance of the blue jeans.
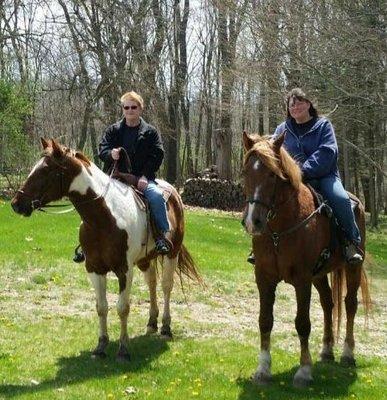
(157, 205)
(333, 191)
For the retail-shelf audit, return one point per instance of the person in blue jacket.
(311, 141)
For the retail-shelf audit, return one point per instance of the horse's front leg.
(326, 301)
(353, 278)
(303, 376)
(169, 266)
(99, 284)
(266, 287)
(123, 307)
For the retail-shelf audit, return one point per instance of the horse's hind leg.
(353, 276)
(262, 375)
(99, 284)
(169, 266)
(123, 308)
(303, 376)
(151, 280)
(325, 293)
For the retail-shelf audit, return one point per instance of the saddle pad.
(166, 188)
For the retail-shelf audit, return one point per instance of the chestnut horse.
(114, 233)
(288, 235)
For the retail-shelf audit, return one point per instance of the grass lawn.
(48, 323)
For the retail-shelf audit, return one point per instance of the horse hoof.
(348, 361)
(151, 329)
(303, 377)
(97, 354)
(166, 333)
(261, 378)
(300, 383)
(123, 358)
(327, 357)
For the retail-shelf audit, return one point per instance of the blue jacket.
(315, 151)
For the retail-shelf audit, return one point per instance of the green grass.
(48, 324)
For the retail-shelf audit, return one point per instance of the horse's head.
(266, 164)
(49, 179)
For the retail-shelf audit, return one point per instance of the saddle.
(337, 237)
(142, 202)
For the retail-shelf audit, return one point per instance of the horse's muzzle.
(21, 206)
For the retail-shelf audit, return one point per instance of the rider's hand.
(142, 183)
(115, 154)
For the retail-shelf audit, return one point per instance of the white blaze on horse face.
(36, 166)
(250, 212)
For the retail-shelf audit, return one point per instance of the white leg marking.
(263, 373)
(303, 375)
(347, 351)
(99, 284)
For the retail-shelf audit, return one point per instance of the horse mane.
(67, 152)
(280, 163)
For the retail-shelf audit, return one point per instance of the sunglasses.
(130, 107)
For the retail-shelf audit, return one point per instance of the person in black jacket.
(144, 147)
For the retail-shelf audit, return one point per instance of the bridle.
(36, 204)
(272, 207)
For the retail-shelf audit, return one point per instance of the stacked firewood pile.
(213, 193)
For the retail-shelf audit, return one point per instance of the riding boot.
(352, 255)
(162, 244)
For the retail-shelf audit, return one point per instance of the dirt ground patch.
(223, 309)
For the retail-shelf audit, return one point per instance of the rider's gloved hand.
(115, 154)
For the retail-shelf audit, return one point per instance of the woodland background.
(207, 69)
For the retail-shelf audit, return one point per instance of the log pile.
(213, 193)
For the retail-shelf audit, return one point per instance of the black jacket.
(148, 154)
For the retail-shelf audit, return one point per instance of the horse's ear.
(278, 141)
(248, 142)
(44, 143)
(57, 150)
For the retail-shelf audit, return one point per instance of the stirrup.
(79, 255)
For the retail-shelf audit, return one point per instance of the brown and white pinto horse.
(113, 233)
(286, 248)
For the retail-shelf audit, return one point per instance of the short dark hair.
(300, 95)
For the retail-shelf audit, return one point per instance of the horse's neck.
(89, 179)
(98, 197)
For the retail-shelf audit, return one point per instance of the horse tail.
(338, 283)
(365, 294)
(186, 265)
